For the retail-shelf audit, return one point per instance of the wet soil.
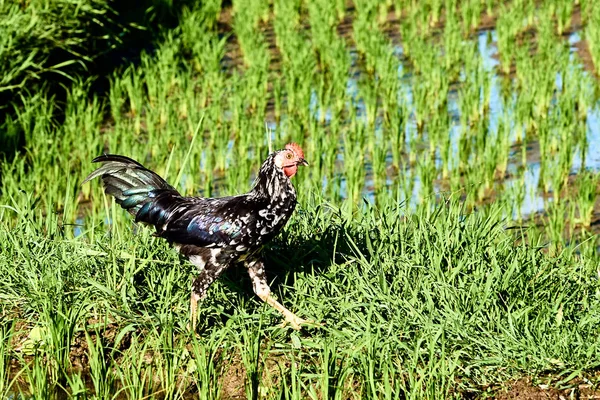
(526, 389)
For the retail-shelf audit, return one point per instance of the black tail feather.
(129, 182)
(117, 158)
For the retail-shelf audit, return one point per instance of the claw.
(261, 288)
(295, 322)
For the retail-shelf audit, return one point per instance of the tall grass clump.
(42, 39)
(592, 33)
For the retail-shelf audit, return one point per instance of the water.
(78, 228)
(532, 201)
(523, 181)
(592, 159)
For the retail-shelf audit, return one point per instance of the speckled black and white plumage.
(214, 233)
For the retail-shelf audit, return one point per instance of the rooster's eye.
(288, 156)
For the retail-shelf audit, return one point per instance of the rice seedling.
(592, 34)
(39, 385)
(585, 197)
(134, 371)
(5, 351)
(101, 366)
(207, 366)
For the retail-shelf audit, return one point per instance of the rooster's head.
(289, 158)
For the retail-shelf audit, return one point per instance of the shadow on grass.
(289, 256)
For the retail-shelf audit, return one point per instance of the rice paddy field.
(446, 235)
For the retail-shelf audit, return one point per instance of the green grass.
(420, 153)
(421, 306)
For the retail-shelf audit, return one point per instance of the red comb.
(296, 149)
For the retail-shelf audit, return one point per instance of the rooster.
(213, 233)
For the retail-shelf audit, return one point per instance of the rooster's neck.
(272, 184)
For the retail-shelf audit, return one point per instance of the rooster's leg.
(201, 284)
(262, 290)
(194, 299)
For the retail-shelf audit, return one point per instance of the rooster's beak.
(302, 161)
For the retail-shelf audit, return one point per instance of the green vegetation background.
(400, 244)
